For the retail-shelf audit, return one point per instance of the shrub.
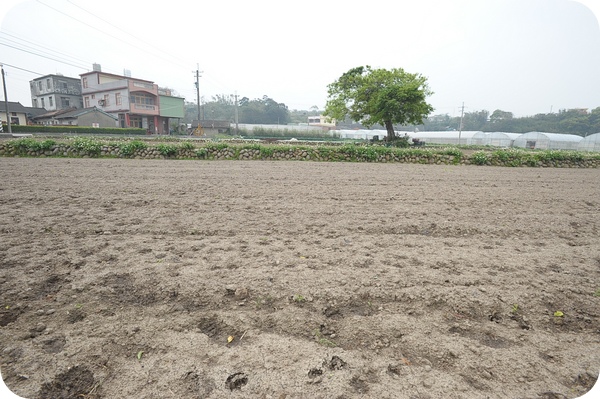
(479, 158)
(128, 149)
(87, 145)
(217, 146)
(266, 151)
(508, 157)
(22, 146)
(167, 150)
(47, 144)
(399, 142)
(201, 153)
(186, 145)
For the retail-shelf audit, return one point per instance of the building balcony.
(144, 109)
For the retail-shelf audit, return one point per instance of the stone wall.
(223, 151)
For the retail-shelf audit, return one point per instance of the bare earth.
(127, 278)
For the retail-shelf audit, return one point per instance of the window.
(50, 101)
(35, 103)
(43, 105)
(65, 102)
(135, 122)
(48, 85)
(84, 82)
(87, 101)
(118, 100)
(39, 85)
(106, 100)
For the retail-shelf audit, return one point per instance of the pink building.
(135, 102)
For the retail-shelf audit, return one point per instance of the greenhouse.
(480, 138)
(445, 137)
(502, 139)
(590, 143)
(547, 141)
(365, 134)
(496, 139)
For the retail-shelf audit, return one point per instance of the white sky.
(523, 56)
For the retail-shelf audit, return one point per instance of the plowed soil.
(212, 279)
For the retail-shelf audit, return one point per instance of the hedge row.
(90, 147)
(61, 130)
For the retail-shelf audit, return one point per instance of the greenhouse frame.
(445, 137)
(547, 141)
(480, 138)
(590, 143)
(495, 139)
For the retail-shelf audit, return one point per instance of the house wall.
(52, 89)
(16, 118)
(171, 107)
(98, 118)
(107, 100)
(139, 99)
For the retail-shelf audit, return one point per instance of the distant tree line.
(265, 110)
(575, 121)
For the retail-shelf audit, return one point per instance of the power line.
(103, 32)
(22, 69)
(122, 30)
(43, 56)
(34, 45)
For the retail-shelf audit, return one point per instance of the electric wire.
(44, 48)
(124, 31)
(41, 55)
(78, 63)
(103, 32)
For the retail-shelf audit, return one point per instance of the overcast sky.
(522, 56)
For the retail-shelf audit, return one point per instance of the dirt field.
(127, 278)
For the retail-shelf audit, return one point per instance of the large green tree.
(379, 96)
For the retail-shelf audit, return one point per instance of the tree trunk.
(390, 131)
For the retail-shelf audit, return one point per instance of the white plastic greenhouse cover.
(496, 139)
(590, 143)
(480, 138)
(445, 137)
(548, 141)
(365, 134)
(502, 139)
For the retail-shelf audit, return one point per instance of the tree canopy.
(263, 110)
(379, 96)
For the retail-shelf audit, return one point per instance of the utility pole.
(462, 112)
(198, 89)
(236, 114)
(5, 102)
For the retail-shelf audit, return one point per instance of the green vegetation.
(129, 148)
(480, 158)
(575, 121)
(25, 145)
(322, 340)
(379, 96)
(298, 298)
(327, 152)
(75, 130)
(87, 145)
(186, 145)
(168, 150)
